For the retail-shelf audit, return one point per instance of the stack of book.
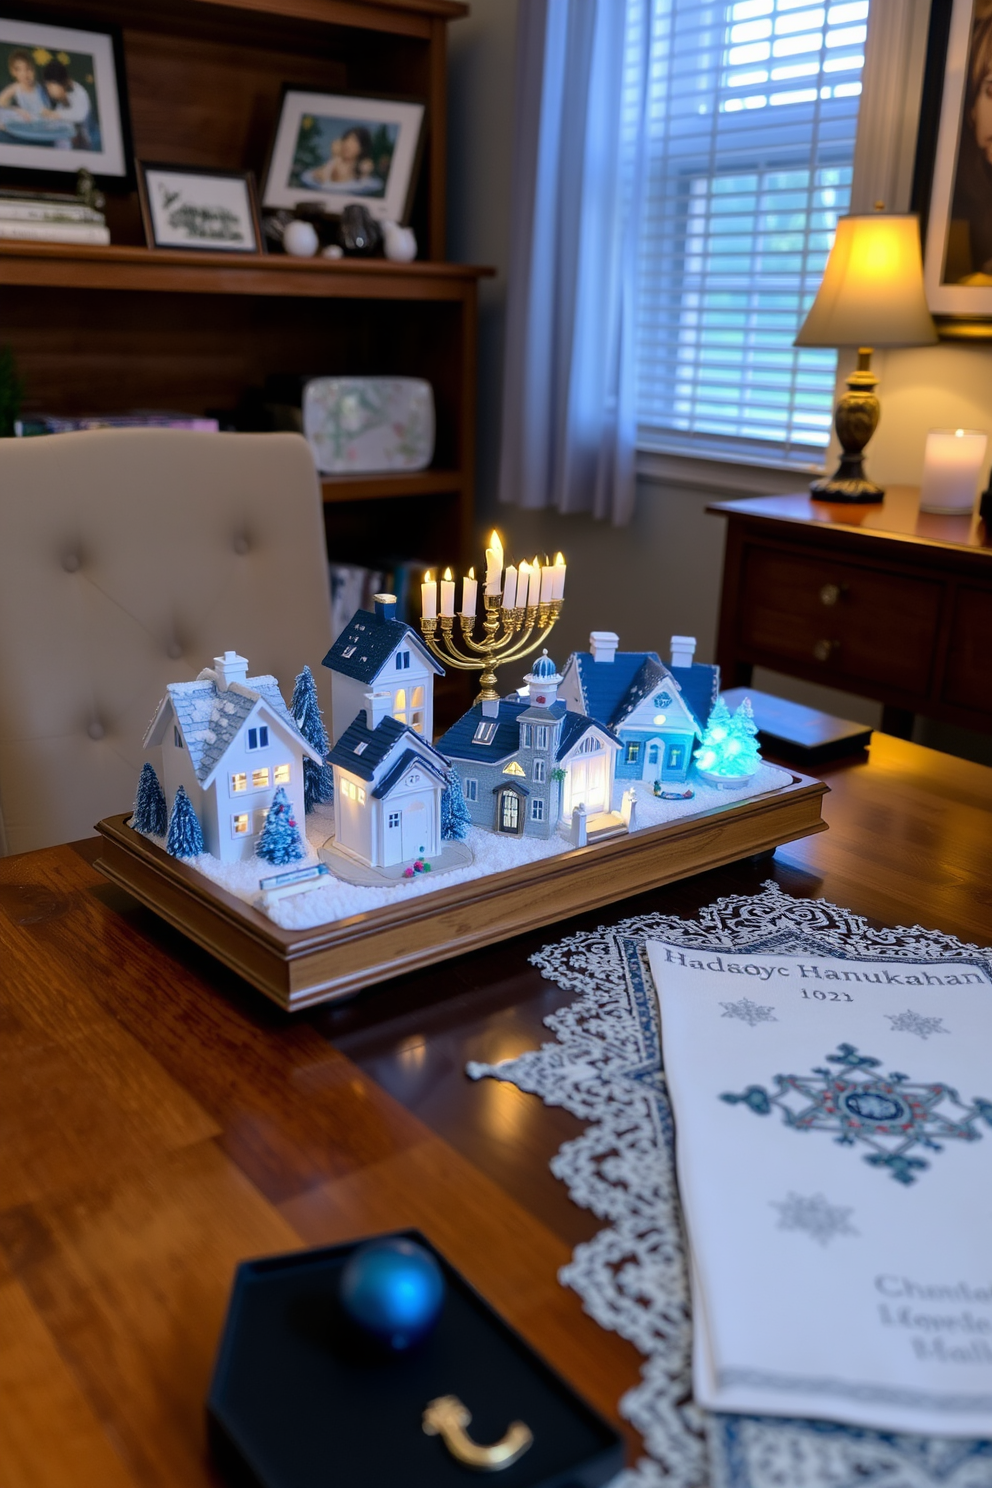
(50, 217)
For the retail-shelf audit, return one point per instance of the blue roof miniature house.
(230, 741)
(380, 664)
(657, 711)
(526, 763)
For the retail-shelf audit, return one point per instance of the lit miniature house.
(657, 712)
(380, 665)
(526, 763)
(231, 742)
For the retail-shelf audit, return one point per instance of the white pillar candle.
(951, 465)
(428, 596)
(534, 593)
(510, 588)
(470, 593)
(547, 583)
(494, 565)
(447, 595)
(559, 578)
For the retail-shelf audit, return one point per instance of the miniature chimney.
(603, 645)
(230, 668)
(490, 707)
(385, 606)
(683, 650)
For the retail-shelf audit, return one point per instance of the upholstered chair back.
(129, 559)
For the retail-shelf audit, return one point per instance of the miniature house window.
(633, 753)
(360, 794)
(393, 820)
(417, 716)
(591, 745)
(348, 789)
(348, 651)
(541, 736)
(486, 732)
(652, 754)
(260, 779)
(471, 790)
(402, 661)
(361, 748)
(513, 769)
(258, 738)
(418, 698)
(676, 754)
(525, 736)
(260, 816)
(540, 771)
(239, 782)
(659, 719)
(240, 824)
(399, 705)
(177, 737)
(537, 810)
(280, 775)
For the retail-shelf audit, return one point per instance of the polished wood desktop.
(161, 1122)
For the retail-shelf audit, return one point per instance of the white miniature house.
(379, 665)
(231, 742)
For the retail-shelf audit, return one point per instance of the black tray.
(294, 1404)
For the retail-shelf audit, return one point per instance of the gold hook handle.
(447, 1417)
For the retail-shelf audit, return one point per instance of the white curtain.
(569, 423)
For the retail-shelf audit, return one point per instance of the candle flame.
(428, 577)
(559, 561)
(471, 573)
(959, 433)
(536, 563)
(447, 575)
(496, 545)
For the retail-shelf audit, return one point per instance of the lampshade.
(872, 291)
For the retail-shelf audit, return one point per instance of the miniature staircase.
(603, 825)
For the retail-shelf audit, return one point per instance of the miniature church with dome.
(527, 762)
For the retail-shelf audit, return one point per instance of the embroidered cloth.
(604, 1066)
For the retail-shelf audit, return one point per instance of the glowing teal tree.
(728, 748)
(743, 732)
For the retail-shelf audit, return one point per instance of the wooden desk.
(885, 601)
(161, 1121)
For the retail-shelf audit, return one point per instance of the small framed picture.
(337, 149)
(63, 101)
(184, 206)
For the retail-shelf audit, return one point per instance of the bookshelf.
(109, 329)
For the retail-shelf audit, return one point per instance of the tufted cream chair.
(129, 559)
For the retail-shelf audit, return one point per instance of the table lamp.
(871, 295)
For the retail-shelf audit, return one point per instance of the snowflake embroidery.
(910, 1022)
(886, 1113)
(820, 1220)
(749, 1012)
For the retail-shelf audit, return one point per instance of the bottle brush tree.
(150, 811)
(279, 842)
(318, 780)
(185, 838)
(455, 820)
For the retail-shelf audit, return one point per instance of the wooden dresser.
(884, 601)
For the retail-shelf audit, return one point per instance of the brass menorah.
(508, 628)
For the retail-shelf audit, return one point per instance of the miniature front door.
(508, 814)
(587, 782)
(415, 830)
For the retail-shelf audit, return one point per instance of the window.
(513, 769)
(360, 794)
(361, 747)
(348, 790)
(281, 775)
(537, 810)
(539, 773)
(485, 733)
(676, 754)
(541, 736)
(393, 820)
(239, 782)
(526, 735)
(260, 779)
(177, 737)
(240, 825)
(402, 661)
(750, 124)
(258, 738)
(471, 791)
(652, 754)
(591, 745)
(632, 753)
(260, 816)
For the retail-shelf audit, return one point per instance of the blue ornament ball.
(393, 1290)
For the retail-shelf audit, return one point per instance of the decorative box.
(294, 1404)
(364, 425)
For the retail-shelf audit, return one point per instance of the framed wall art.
(336, 149)
(953, 180)
(186, 206)
(63, 101)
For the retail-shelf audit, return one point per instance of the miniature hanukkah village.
(310, 825)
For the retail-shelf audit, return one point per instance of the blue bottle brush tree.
(455, 820)
(185, 838)
(150, 811)
(318, 780)
(279, 842)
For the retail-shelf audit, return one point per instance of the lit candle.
(494, 564)
(547, 583)
(447, 595)
(510, 588)
(559, 573)
(470, 592)
(951, 465)
(535, 583)
(428, 596)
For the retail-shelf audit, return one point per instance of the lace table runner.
(605, 1067)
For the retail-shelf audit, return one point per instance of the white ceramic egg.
(300, 239)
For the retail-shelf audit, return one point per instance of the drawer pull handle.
(823, 650)
(830, 594)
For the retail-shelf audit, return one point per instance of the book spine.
(54, 232)
(14, 211)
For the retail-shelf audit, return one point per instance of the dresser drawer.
(968, 673)
(851, 622)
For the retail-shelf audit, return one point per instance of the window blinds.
(751, 109)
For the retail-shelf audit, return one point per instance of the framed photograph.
(63, 101)
(335, 149)
(953, 181)
(184, 206)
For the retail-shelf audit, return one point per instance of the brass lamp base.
(856, 420)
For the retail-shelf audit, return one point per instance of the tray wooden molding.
(297, 968)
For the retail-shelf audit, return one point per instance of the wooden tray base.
(297, 968)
